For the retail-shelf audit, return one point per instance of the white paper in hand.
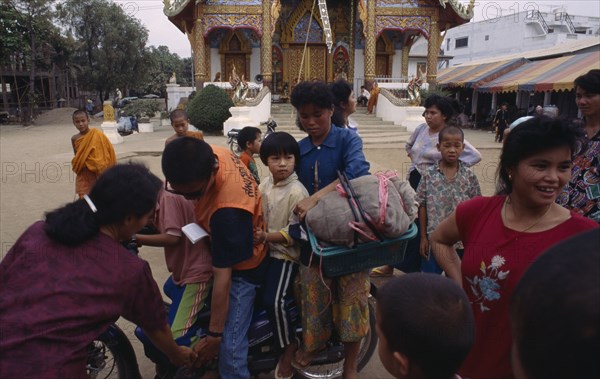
(194, 232)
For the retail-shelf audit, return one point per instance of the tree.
(162, 65)
(35, 17)
(14, 44)
(111, 45)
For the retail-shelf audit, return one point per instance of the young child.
(425, 326)
(442, 187)
(249, 140)
(281, 191)
(190, 267)
(93, 153)
(180, 123)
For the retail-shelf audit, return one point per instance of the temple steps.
(374, 131)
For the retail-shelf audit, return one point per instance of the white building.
(518, 30)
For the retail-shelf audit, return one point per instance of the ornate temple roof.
(181, 12)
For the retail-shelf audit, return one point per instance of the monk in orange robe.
(180, 123)
(373, 99)
(93, 153)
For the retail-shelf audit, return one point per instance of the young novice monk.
(281, 191)
(249, 140)
(443, 186)
(180, 123)
(93, 153)
(425, 326)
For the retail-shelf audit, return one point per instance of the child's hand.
(424, 248)
(259, 236)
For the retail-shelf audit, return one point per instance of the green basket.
(337, 261)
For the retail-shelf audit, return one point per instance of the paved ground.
(36, 176)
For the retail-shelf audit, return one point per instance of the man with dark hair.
(228, 207)
(425, 326)
(555, 313)
(501, 121)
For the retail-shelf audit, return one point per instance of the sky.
(163, 32)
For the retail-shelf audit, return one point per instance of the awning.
(473, 76)
(555, 74)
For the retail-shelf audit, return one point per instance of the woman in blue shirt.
(342, 300)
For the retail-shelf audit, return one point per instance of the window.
(487, 38)
(447, 44)
(461, 42)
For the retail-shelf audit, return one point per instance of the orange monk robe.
(373, 99)
(94, 154)
(198, 134)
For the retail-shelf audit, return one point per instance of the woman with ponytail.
(67, 278)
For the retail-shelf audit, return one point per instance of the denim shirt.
(341, 150)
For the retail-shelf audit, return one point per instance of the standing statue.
(240, 88)
(414, 88)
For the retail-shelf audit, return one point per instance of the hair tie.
(90, 203)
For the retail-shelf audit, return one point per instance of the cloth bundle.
(387, 201)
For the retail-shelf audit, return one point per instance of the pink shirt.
(189, 263)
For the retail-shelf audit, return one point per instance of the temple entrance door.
(315, 62)
(381, 65)
(384, 52)
(239, 60)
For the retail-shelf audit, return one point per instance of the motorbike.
(263, 355)
(232, 135)
(112, 356)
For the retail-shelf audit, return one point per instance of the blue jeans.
(233, 355)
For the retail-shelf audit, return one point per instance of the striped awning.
(555, 74)
(475, 75)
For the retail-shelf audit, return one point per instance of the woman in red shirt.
(504, 234)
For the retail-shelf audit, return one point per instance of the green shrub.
(209, 109)
(141, 108)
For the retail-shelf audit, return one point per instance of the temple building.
(284, 41)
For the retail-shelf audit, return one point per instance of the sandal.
(382, 272)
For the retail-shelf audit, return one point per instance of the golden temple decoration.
(362, 14)
(275, 11)
(370, 48)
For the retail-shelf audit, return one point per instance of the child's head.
(554, 312)
(249, 139)
(451, 143)
(425, 326)
(81, 120)
(179, 121)
(281, 153)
